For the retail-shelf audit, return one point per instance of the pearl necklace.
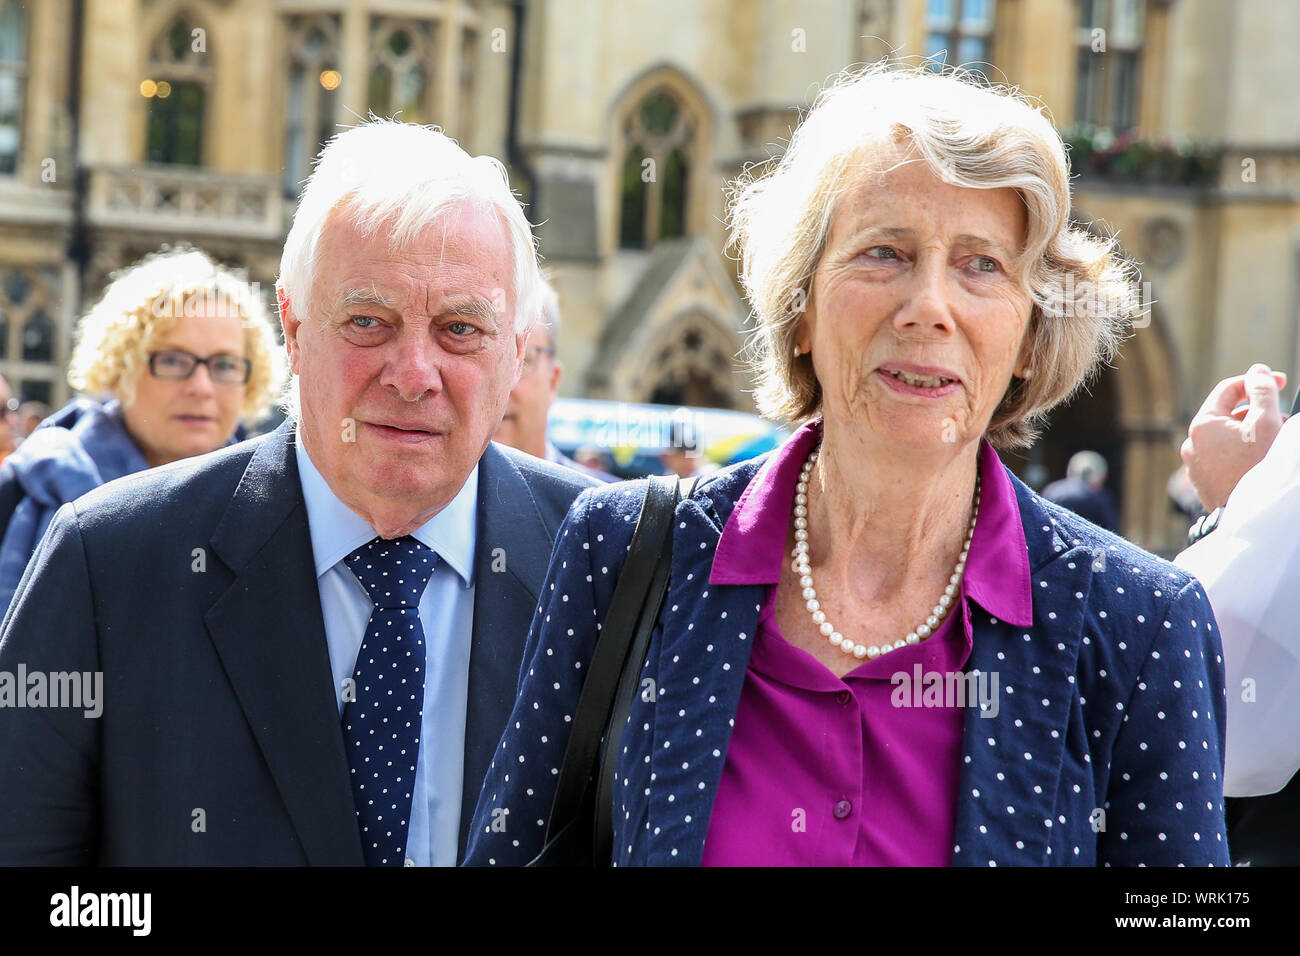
(802, 568)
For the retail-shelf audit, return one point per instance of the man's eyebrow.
(371, 296)
(471, 306)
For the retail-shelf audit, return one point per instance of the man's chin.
(409, 472)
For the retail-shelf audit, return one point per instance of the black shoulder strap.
(644, 569)
(630, 681)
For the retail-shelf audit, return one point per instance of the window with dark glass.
(1108, 45)
(177, 91)
(403, 69)
(658, 141)
(38, 338)
(13, 81)
(35, 390)
(959, 33)
(312, 94)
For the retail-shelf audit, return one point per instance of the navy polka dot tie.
(381, 720)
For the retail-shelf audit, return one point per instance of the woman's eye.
(364, 321)
(985, 264)
(882, 252)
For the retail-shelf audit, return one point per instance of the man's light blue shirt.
(447, 616)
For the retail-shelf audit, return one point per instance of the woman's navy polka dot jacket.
(1106, 747)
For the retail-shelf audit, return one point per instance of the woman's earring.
(796, 351)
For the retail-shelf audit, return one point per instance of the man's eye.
(461, 328)
(364, 321)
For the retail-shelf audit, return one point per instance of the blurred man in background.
(1082, 490)
(525, 422)
(31, 414)
(682, 457)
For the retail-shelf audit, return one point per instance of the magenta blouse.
(828, 771)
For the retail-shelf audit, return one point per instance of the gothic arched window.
(658, 152)
(403, 72)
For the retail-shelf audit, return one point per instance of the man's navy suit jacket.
(192, 587)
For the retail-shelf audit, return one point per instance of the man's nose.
(413, 368)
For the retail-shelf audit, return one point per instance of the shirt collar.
(337, 530)
(752, 547)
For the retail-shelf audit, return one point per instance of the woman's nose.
(928, 306)
(200, 380)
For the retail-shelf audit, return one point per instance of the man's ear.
(290, 324)
(521, 346)
(557, 371)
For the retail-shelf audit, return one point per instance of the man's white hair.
(1088, 465)
(399, 177)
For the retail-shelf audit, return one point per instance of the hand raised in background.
(1232, 432)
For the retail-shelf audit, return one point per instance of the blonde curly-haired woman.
(179, 355)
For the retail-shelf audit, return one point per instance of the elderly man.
(309, 643)
(1083, 490)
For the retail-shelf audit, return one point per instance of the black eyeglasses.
(177, 365)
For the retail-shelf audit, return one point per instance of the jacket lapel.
(1019, 749)
(512, 551)
(268, 630)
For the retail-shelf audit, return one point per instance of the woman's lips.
(898, 385)
(195, 421)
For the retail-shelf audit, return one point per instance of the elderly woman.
(877, 645)
(181, 350)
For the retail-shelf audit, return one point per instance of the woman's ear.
(1024, 367)
(803, 328)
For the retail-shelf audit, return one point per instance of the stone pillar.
(448, 104)
(354, 39)
(1155, 53)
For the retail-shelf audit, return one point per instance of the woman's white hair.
(400, 177)
(971, 135)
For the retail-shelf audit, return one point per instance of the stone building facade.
(127, 124)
